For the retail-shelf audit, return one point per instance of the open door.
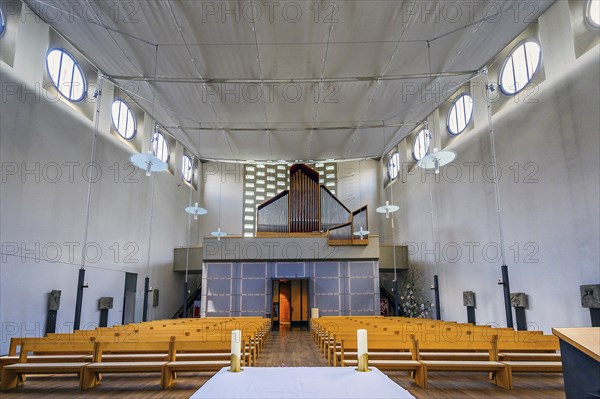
(290, 302)
(285, 307)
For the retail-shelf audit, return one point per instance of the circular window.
(2, 23)
(186, 168)
(160, 147)
(421, 144)
(520, 67)
(394, 166)
(123, 119)
(460, 114)
(66, 74)
(593, 13)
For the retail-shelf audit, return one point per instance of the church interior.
(329, 198)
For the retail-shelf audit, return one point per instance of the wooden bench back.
(84, 348)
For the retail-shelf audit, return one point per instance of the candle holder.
(363, 351)
(236, 351)
(363, 363)
(236, 364)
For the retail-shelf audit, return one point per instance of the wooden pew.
(409, 363)
(12, 375)
(195, 356)
(501, 375)
(92, 371)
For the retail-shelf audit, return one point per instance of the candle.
(361, 339)
(236, 343)
(314, 313)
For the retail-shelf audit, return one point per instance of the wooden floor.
(289, 348)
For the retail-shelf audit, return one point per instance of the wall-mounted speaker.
(518, 299)
(106, 302)
(468, 298)
(54, 300)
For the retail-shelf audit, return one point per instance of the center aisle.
(290, 347)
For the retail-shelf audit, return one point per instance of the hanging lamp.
(360, 232)
(196, 211)
(219, 233)
(149, 161)
(387, 209)
(435, 159)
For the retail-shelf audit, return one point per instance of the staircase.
(190, 302)
(384, 293)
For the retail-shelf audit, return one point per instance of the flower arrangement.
(412, 302)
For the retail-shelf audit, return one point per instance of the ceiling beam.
(293, 129)
(173, 79)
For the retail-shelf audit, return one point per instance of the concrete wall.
(45, 149)
(356, 189)
(548, 144)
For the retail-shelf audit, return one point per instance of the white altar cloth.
(301, 382)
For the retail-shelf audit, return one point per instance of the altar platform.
(301, 382)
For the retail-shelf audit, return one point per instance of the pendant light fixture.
(360, 232)
(219, 233)
(184, 311)
(387, 209)
(434, 159)
(196, 210)
(504, 268)
(81, 284)
(149, 161)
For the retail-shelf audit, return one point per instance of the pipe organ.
(309, 208)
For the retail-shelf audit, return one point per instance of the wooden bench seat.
(131, 357)
(190, 356)
(530, 356)
(190, 366)
(534, 367)
(396, 365)
(92, 371)
(501, 375)
(12, 374)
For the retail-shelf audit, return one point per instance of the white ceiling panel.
(345, 101)
(288, 22)
(175, 61)
(239, 104)
(357, 59)
(292, 144)
(211, 144)
(213, 57)
(329, 144)
(292, 61)
(250, 145)
(191, 99)
(364, 21)
(292, 102)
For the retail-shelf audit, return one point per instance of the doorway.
(290, 302)
(129, 300)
